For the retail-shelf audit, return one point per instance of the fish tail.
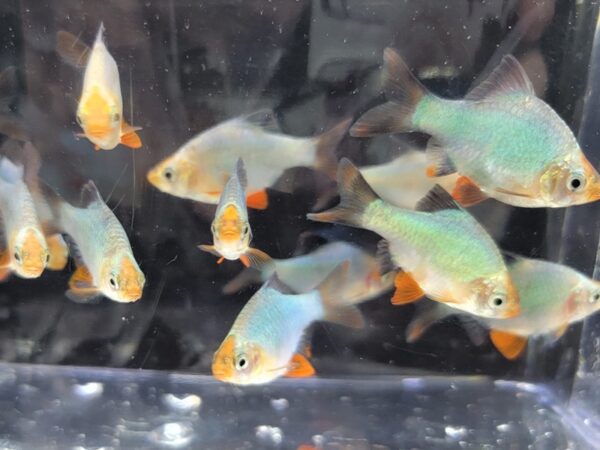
(403, 91)
(355, 196)
(248, 276)
(339, 309)
(326, 143)
(424, 318)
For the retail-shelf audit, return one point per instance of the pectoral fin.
(467, 193)
(407, 289)
(59, 252)
(256, 258)
(129, 137)
(81, 286)
(210, 249)
(4, 259)
(258, 200)
(510, 345)
(4, 274)
(300, 367)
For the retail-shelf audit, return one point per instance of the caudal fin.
(326, 160)
(339, 309)
(403, 91)
(424, 318)
(355, 196)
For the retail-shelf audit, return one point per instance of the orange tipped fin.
(81, 286)
(245, 261)
(407, 289)
(129, 137)
(220, 260)
(4, 274)
(510, 345)
(59, 252)
(467, 193)
(257, 259)
(300, 367)
(258, 200)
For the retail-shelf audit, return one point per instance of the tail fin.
(246, 277)
(424, 318)
(326, 161)
(355, 196)
(339, 309)
(71, 49)
(403, 91)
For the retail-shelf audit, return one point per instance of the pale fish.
(200, 168)
(501, 139)
(264, 340)
(442, 250)
(231, 228)
(552, 297)
(100, 107)
(103, 256)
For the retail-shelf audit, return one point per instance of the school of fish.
(500, 141)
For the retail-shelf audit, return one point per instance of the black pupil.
(242, 363)
(596, 297)
(575, 183)
(47, 258)
(17, 257)
(168, 174)
(112, 282)
(498, 301)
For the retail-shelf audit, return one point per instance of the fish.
(104, 260)
(231, 228)
(100, 106)
(443, 252)
(23, 250)
(304, 273)
(263, 342)
(200, 168)
(502, 140)
(553, 296)
(402, 181)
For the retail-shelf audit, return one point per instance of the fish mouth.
(31, 271)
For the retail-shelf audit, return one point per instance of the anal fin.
(407, 289)
(300, 367)
(81, 286)
(467, 193)
(258, 200)
(510, 345)
(129, 137)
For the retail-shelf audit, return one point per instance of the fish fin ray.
(263, 118)
(210, 249)
(326, 144)
(467, 193)
(245, 278)
(72, 50)
(384, 257)
(257, 259)
(407, 289)
(129, 137)
(437, 199)
(509, 76)
(339, 309)
(245, 261)
(404, 93)
(510, 345)
(438, 159)
(258, 200)
(300, 367)
(424, 318)
(59, 252)
(355, 196)
(274, 282)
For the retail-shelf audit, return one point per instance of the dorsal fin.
(90, 194)
(508, 77)
(242, 176)
(263, 118)
(275, 283)
(437, 199)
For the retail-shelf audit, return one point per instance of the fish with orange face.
(231, 227)
(24, 249)
(100, 107)
(263, 343)
(103, 256)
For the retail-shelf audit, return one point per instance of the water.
(186, 66)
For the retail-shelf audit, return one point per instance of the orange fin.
(510, 345)
(97, 148)
(258, 200)
(4, 274)
(300, 367)
(467, 193)
(220, 260)
(407, 289)
(81, 285)
(256, 259)
(4, 259)
(245, 261)
(129, 137)
(59, 252)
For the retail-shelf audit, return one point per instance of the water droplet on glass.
(455, 432)
(184, 403)
(173, 434)
(280, 404)
(89, 390)
(503, 428)
(268, 435)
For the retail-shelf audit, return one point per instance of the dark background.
(187, 65)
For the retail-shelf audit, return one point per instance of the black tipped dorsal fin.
(508, 77)
(90, 194)
(437, 199)
(263, 118)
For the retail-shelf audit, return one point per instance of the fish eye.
(245, 230)
(47, 258)
(576, 183)
(241, 363)
(595, 297)
(169, 174)
(17, 257)
(113, 282)
(116, 117)
(497, 301)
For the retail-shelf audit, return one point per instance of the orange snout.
(223, 361)
(33, 256)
